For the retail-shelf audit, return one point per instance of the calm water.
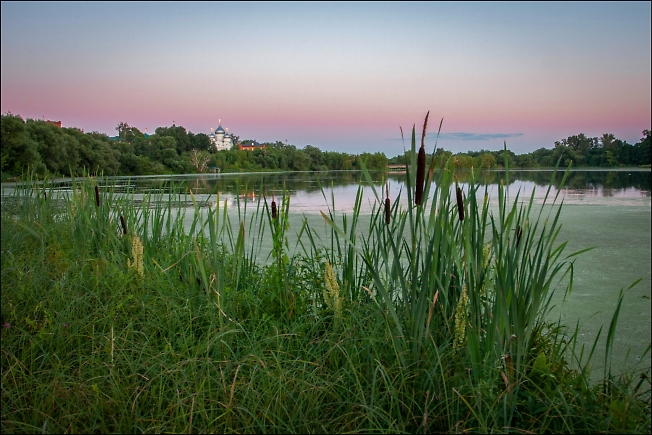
(608, 210)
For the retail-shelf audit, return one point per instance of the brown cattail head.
(519, 233)
(421, 164)
(460, 201)
(124, 225)
(97, 196)
(388, 216)
(274, 210)
(45, 195)
(421, 172)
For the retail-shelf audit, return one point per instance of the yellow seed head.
(460, 320)
(332, 291)
(137, 254)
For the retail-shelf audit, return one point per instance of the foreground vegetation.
(118, 318)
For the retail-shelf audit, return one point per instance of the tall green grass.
(433, 317)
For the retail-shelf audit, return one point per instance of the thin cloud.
(465, 136)
(473, 136)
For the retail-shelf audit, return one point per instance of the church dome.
(219, 130)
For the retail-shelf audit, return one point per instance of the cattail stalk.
(388, 216)
(421, 165)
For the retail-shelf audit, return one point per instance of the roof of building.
(252, 143)
(219, 129)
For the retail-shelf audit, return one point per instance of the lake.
(607, 210)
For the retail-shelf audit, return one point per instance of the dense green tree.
(96, 155)
(201, 142)
(182, 139)
(641, 151)
(486, 160)
(300, 161)
(374, 161)
(316, 158)
(59, 151)
(19, 151)
(164, 151)
(122, 129)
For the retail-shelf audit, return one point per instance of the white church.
(220, 138)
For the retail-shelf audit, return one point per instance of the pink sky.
(342, 77)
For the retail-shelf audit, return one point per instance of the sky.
(340, 76)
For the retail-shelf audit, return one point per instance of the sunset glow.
(338, 76)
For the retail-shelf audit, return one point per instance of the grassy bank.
(120, 318)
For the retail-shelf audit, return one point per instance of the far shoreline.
(228, 174)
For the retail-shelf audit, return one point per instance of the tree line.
(580, 150)
(170, 150)
(47, 148)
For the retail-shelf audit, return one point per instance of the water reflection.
(592, 180)
(304, 188)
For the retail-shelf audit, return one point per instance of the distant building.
(220, 138)
(55, 123)
(251, 145)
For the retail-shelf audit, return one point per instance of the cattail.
(460, 202)
(421, 165)
(388, 216)
(124, 225)
(274, 210)
(519, 233)
(97, 196)
(45, 195)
